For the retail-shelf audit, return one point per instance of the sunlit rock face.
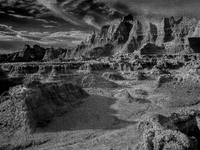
(129, 35)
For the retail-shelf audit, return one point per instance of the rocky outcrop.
(68, 54)
(163, 79)
(54, 73)
(16, 72)
(88, 67)
(178, 131)
(52, 54)
(85, 68)
(35, 53)
(26, 108)
(108, 40)
(170, 36)
(30, 54)
(149, 48)
(125, 96)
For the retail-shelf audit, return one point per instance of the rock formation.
(178, 131)
(52, 54)
(30, 54)
(16, 72)
(25, 108)
(170, 36)
(125, 96)
(128, 35)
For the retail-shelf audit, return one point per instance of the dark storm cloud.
(157, 8)
(22, 7)
(82, 12)
(7, 33)
(97, 12)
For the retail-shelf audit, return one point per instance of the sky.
(65, 23)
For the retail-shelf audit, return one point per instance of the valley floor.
(106, 120)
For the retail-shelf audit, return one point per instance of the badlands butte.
(131, 86)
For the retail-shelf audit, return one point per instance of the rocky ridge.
(128, 35)
(169, 36)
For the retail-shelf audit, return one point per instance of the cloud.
(82, 12)
(7, 33)
(5, 27)
(90, 21)
(97, 12)
(48, 26)
(42, 20)
(21, 16)
(78, 35)
(52, 5)
(155, 9)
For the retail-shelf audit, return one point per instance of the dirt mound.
(140, 92)
(125, 95)
(178, 132)
(24, 109)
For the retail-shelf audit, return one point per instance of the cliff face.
(170, 36)
(54, 54)
(30, 54)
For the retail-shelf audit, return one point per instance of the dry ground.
(106, 121)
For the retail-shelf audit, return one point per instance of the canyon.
(133, 85)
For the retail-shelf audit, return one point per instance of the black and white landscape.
(99, 75)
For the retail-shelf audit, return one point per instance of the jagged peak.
(93, 32)
(82, 43)
(26, 46)
(36, 46)
(127, 18)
